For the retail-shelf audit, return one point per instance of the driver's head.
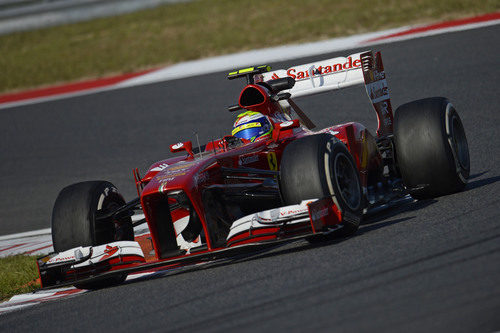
(251, 126)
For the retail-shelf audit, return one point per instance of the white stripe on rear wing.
(321, 76)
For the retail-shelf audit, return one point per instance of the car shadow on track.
(481, 182)
(479, 174)
(378, 220)
(375, 221)
(365, 228)
(274, 250)
(302, 245)
(409, 205)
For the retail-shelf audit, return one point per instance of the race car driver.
(252, 126)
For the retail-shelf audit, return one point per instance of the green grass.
(186, 31)
(17, 275)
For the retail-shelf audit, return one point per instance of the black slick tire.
(431, 148)
(74, 221)
(319, 166)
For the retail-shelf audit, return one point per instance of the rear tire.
(74, 221)
(320, 166)
(431, 148)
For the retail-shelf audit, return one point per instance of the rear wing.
(321, 76)
(341, 72)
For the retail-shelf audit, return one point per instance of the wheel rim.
(108, 230)
(459, 142)
(347, 181)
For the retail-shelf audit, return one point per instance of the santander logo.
(322, 69)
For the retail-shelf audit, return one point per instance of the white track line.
(45, 231)
(39, 242)
(286, 52)
(40, 296)
(268, 55)
(254, 57)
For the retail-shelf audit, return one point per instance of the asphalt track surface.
(432, 265)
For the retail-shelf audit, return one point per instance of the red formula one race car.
(272, 180)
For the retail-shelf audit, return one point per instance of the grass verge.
(18, 275)
(186, 31)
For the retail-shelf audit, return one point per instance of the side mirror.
(289, 124)
(284, 126)
(284, 83)
(182, 146)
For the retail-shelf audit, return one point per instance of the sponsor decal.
(165, 179)
(248, 159)
(323, 212)
(272, 160)
(59, 259)
(179, 167)
(383, 109)
(322, 70)
(109, 251)
(378, 91)
(293, 212)
(160, 167)
(329, 146)
(175, 173)
(107, 189)
(376, 75)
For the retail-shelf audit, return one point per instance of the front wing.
(308, 217)
(86, 264)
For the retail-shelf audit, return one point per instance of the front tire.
(75, 222)
(431, 148)
(320, 166)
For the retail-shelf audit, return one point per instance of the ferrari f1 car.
(232, 195)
